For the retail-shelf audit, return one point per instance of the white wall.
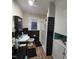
(60, 10)
(61, 16)
(60, 27)
(58, 49)
(16, 10)
(26, 16)
(51, 9)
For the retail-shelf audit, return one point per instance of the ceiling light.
(31, 2)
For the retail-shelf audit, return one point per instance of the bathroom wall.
(60, 27)
(16, 10)
(61, 16)
(26, 16)
(42, 25)
(58, 49)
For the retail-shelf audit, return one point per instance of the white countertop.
(23, 38)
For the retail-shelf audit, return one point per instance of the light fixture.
(32, 3)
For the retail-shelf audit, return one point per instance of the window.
(34, 25)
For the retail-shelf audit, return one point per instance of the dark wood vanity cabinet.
(34, 34)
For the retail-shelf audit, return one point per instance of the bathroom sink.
(30, 40)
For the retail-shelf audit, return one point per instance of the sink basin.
(30, 40)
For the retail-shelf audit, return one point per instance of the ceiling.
(42, 6)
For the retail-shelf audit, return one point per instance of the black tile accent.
(13, 34)
(50, 32)
(14, 51)
(32, 33)
(22, 42)
(49, 46)
(31, 52)
(18, 33)
(51, 23)
(21, 52)
(25, 30)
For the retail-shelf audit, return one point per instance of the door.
(43, 33)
